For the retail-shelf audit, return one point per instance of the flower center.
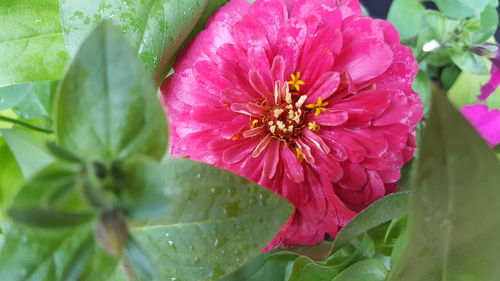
(285, 120)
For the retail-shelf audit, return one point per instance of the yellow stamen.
(254, 123)
(313, 126)
(296, 82)
(319, 106)
(300, 155)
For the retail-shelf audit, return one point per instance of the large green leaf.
(217, 222)
(453, 222)
(28, 149)
(155, 28)
(66, 254)
(31, 41)
(106, 107)
(388, 208)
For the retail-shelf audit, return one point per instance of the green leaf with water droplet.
(106, 107)
(156, 29)
(453, 222)
(63, 254)
(217, 222)
(31, 41)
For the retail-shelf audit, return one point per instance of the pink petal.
(293, 169)
(271, 159)
(331, 118)
(486, 122)
(365, 59)
(492, 85)
(324, 87)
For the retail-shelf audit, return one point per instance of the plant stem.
(24, 124)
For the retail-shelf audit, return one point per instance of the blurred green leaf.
(365, 270)
(52, 198)
(31, 41)
(453, 223)
(265, 267)
(448, 77)
(35, 104)
(10, 175)
(28, 149)
(106, 107)
(143, 188)
(422, 85)
(218, 221)
(65, 254)
(469, 62)
(390, 207)
(11, 95)
(406, 16)
(435, 26)
(155, 29)
(459, 9)
(489, 24)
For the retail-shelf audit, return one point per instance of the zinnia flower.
(486, 122)
(308, 98)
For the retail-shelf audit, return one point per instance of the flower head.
(306, 97)
(486, 122)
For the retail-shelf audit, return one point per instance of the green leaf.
(218, 221)
(388, 208)
(106, 107)
(156, 29)
(11, 95)
(466, 89)
(489, 24)
(319, 252)
(31, 41)
(448, 77)
(435, 26)
(265, 267)
(143, 188)
(66, 254)
(422, 85)
(453, 223)
(28, 149)
(405, 15)
(459, 9)
(365, 270)
(36, 102)
(10, 175)
(52, 198)
(305, 269)
(469, 62)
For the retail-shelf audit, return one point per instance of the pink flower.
(494, 57)
(487, 123)
(308, 98)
